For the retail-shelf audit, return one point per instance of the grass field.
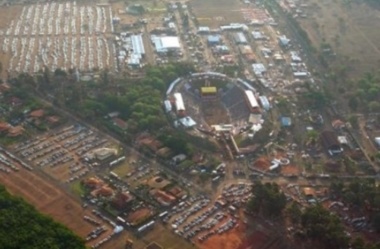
(350, 28)
(213, 13)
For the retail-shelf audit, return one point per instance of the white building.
(164, 44)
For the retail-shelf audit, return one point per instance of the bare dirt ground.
(350, 28)
(262, 164)
(213, 13)
(289, 169)
(138, 215)
(255, 241)
(229, 240)
(48, 199)
(162, 236)
(214, 112)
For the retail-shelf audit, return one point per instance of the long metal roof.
(251, 98)
(180, 106)
(137, 44)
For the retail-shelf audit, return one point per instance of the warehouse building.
(240, 38)
(164, 44)
(213, 40)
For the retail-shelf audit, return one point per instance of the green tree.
(374, 106)
(267, 199)
(353, 103)
(21, 226)
(319, 224)
(294, 212)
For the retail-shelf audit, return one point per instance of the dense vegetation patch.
(21, 226)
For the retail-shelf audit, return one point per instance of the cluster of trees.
(366, 95)
(21, 226)
(140, 106)
(176, 142)
(324, 228)
(360, 194)
(139, 102)
(267, 200)
(320, 225)
(316, 223)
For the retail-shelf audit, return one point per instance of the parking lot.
(66, 154)
(198, 218)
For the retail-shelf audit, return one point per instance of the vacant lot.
(228, 240)
(48, 199)
(350, 28)
(213, 13)
(160, 235)
(138, 215)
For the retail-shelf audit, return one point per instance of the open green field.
(214, 13)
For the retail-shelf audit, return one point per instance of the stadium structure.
(218, 106)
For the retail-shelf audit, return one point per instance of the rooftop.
(210, 89)
(286, 121)
(329, 140)
(37, 113)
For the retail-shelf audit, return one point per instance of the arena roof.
(251, 98)
(180, 106)
(210, 89)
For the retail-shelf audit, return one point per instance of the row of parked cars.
(96, 233)
(197, 222)
(223, 228)
(32, 150)
(192, 210)
(91, 220)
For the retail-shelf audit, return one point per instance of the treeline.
(366, 93)
(315, 223)
(362, 195)
(21, 226)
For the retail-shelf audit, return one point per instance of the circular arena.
(214, 102)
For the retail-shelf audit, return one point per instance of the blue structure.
(283, 41)
(213, 40)
(286, 121)
(264, 103)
